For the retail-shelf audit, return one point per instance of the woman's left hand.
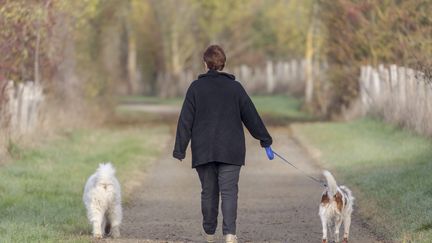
(269, 153)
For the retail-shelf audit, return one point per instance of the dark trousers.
(219, 178)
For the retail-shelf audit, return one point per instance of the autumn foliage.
(372, 32)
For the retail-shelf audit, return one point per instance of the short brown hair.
(214, 57)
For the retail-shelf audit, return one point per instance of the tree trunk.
(131, 65)
(309, 58)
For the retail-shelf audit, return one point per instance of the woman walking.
(214, 110)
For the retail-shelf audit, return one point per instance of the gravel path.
(276, 202)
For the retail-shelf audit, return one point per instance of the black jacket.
(212, 114)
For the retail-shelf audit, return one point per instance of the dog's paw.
(115, 233)
(324, 241)
(97, 236)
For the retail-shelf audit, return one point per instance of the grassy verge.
(281, 107)
(41, 189)
(389, 169)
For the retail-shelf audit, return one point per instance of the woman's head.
(214, 57)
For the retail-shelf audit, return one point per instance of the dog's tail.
(106, 170)
(331, 183)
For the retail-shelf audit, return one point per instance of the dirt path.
(276, 203)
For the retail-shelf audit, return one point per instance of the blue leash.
(304, 173)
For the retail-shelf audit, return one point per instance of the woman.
(213, 111)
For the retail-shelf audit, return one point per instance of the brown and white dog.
(336, 207)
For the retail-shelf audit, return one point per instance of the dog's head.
(105, 183)
(105, 176)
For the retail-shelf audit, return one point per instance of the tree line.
(88, 50)
(96, 47)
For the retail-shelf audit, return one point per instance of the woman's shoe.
(209, 238)
(229, 238)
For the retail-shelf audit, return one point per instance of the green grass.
(278, 106)
(41, 188)
(389, 168)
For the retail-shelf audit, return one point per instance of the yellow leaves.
(289, 21)
(81, 11)
(139, 14)
(19, 21)
(218, 16)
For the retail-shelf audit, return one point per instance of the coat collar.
(214, 73)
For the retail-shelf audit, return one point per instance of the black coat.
(212, 114)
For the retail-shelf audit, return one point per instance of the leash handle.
(304, 173)
(269, 153)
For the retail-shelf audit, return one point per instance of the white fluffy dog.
(102, 199)
(336, 207)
